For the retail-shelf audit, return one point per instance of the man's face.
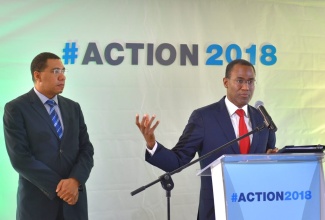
(239, 91)
(49, 82)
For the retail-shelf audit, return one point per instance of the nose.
(61, 76)
(245, 85)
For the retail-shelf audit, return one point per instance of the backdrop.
(166, 58)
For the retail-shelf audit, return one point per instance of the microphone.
(267, 118)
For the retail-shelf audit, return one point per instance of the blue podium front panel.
(269, 188)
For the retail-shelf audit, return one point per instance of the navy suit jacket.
(209, 128)
(42, 159)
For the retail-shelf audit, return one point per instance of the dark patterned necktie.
(244, 143)
(55, 118)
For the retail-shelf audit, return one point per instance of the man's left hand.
(272, 151)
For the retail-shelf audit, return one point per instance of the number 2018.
(267, 57)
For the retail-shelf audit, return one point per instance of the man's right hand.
(146, 129)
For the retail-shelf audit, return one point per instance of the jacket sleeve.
(188, 144)
(84, 163)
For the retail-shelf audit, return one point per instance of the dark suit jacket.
(42, 159)
(208, 128)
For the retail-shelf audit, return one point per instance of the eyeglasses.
(57, 71)
(241, 82)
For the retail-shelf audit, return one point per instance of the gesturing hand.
(146, 129)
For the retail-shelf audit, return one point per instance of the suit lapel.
(224, 121)
(256, 135)
(64, 114)
(38, 106)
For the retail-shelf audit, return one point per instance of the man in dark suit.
(211, 127)
(53, 160)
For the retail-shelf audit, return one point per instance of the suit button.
(61, 151)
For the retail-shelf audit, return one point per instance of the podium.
(268, 186)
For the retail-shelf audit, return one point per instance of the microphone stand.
(166, 179)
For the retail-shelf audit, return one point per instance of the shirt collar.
(232, 108)
(43, 98)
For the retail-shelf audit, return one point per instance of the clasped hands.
(67, 190)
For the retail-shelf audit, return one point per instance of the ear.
(225, 82)
(37, 76)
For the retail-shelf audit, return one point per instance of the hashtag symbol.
(70, 53)
(234, 197)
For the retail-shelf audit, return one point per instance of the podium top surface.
(261, 158)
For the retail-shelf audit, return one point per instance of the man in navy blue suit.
(210, 127)
(53, 161)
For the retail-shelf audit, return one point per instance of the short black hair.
(231, 65)
(39, 62)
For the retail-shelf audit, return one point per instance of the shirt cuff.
(153, 150)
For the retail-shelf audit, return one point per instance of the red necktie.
(245, 142)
